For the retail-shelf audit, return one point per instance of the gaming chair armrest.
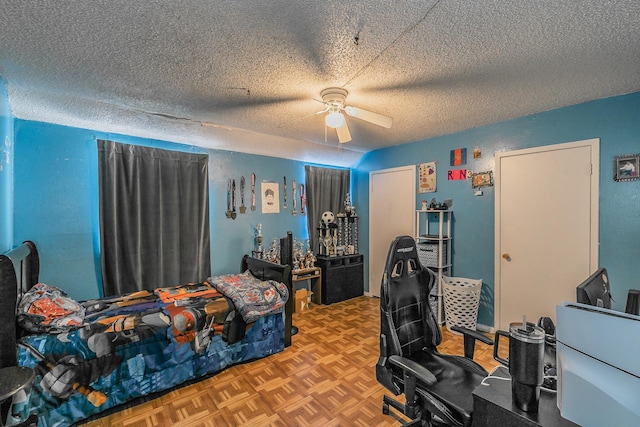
(413, 369)
(470, 337)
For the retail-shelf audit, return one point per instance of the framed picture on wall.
(270, 197)
(482, 179)
(626, 167)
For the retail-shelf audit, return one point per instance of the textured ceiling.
(247, 75)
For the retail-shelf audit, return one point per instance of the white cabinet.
(433, 241)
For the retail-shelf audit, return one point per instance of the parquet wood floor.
(326, 378)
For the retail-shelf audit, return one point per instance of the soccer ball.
(327, 218)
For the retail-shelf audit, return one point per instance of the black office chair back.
(406, 318)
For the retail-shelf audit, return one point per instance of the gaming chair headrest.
(402, 249)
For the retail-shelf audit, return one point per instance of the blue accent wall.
(56, 202)
(55, 190)
(6, 171)
(615, 121)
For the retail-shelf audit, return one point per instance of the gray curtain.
(326, 190)
(154, 217)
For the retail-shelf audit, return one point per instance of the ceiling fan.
(334, 99)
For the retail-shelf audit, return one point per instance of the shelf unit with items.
(433, 242)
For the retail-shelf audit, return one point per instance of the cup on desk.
(351, 249)
(525, 362)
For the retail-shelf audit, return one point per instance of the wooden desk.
(313, 276)
(493, 406)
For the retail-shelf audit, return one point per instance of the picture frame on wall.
(482, 179)
(270, 197)
(626, 168)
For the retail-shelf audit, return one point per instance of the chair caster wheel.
(385, 408)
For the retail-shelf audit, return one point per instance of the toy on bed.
(94, 355)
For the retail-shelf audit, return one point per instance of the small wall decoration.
(458, 157)
(457, 175)
(477, 153)
(427, 177)
(482, 179)
(270, 197)
(627, 167)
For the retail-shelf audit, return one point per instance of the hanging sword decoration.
(253, 191)
(243, 208)
(284, 191)
(294, 189)
(233, 199)
(303, 199)
(228, 212)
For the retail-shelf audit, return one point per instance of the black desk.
(492, 406)
(12, 380)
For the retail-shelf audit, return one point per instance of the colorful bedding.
(101, 353)
(252, 297)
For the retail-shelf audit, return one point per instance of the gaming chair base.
(422, 419)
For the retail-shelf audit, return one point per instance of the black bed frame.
(19, 271)
(20, 267)
(265, 270)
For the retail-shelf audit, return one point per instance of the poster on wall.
(458, 157)
(427, 177)
(457, 175)
(270, 197)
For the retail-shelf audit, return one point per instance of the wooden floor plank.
(326, 378)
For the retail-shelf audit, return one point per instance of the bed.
(92, 356)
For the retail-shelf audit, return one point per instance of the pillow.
(253, 298)
(45, 308)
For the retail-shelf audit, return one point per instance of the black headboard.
(19, 269)
(266, 270)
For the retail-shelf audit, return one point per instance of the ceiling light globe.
(334, 119)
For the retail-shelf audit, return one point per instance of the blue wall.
(55, 195)
(6, 171)
(616, 121)
(56, 202)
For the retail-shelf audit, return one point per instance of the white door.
(392, 207)
(546, 228)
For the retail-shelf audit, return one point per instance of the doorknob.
(506, 256)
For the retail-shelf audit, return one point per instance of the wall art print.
(457, 175)
(626, 167)
(427, 177)
(270, 197)
(458, 157)
(482, 179)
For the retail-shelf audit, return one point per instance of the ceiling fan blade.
(369, 116)
(343, 133)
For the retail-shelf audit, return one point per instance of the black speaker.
(633, 302)
(286, 250)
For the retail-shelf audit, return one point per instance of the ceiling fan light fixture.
(334, 119)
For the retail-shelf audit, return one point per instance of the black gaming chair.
(437, 387)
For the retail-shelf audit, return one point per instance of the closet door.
(392, 209)
(546, 228)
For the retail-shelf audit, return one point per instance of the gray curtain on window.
(154, 217)
(326, 190)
